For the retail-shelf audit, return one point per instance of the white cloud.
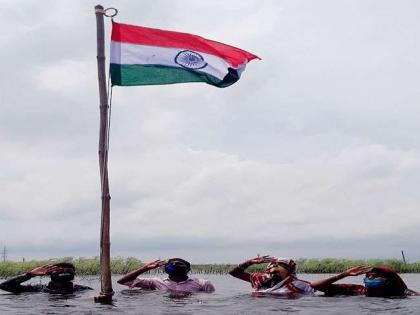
(66, 76)
(314, 147)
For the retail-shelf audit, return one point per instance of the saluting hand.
(356, 271)
(43, 270)
(261, 260)
(155, 264)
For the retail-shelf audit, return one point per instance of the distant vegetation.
(90, 266)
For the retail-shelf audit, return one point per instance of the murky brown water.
(232, 296)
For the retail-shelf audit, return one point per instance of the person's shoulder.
(204, 284)
(199, 281)
(32, 288)
(258, 277)
(359, 289)
(347, 289)
(300, 280)
(151, 281)
(303, 286)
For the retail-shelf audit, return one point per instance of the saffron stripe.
(126, 33)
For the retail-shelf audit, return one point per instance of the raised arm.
(14, 284)
(412, 292)
(239, 271)
(327, 285)
(134, 274)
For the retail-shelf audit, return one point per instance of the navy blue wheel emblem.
(190, 60)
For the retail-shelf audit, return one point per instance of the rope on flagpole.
(108, 122)
(109, 113)
(109, 97)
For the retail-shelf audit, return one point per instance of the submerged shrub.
(121, 265)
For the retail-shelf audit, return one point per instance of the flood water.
(232, 296)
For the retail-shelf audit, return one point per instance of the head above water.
(64, 273)
(277, 271)
(384, 281)
(177, 267)
(281, 268)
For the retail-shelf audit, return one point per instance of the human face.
(176, 267)
(63, 275)
(278, 270)
(376, 284)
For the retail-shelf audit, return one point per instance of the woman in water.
(279, 277)
(378, 282)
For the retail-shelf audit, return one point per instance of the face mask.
(62, 276)
(176, 269)
(374, 283)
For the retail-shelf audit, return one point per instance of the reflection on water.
(231, 297)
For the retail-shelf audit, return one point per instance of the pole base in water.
(103, 298)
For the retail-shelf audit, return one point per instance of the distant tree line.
(120, 265)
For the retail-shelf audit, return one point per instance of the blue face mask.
(179, 269)
(374, 283)
(170, 268)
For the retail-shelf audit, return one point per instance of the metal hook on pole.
(113, 12)
(108, 12)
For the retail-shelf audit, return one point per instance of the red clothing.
(290, 285)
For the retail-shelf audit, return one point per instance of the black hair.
(66, 265)
(395, 285)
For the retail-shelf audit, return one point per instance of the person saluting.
(279, 277)
(378, 282)
(177, 281)
(61, 274)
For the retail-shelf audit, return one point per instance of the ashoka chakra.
(190, 60)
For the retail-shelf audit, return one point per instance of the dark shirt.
(14, 285)
(345, 289)
(356, 289)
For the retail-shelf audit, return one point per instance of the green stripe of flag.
(128, 75)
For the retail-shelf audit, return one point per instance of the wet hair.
(395, 286)
(66, 265)
(174, 266)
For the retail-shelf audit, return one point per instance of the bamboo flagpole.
(225, 68)
(105, 258)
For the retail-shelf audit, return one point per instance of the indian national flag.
(145, 56)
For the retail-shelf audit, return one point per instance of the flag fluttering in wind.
(147, 56)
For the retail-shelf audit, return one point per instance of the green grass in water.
(119, 265)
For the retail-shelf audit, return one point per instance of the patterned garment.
(289, 286)
(191, 285)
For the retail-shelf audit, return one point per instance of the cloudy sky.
(315, 152)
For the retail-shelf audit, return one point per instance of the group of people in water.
(279, 277)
